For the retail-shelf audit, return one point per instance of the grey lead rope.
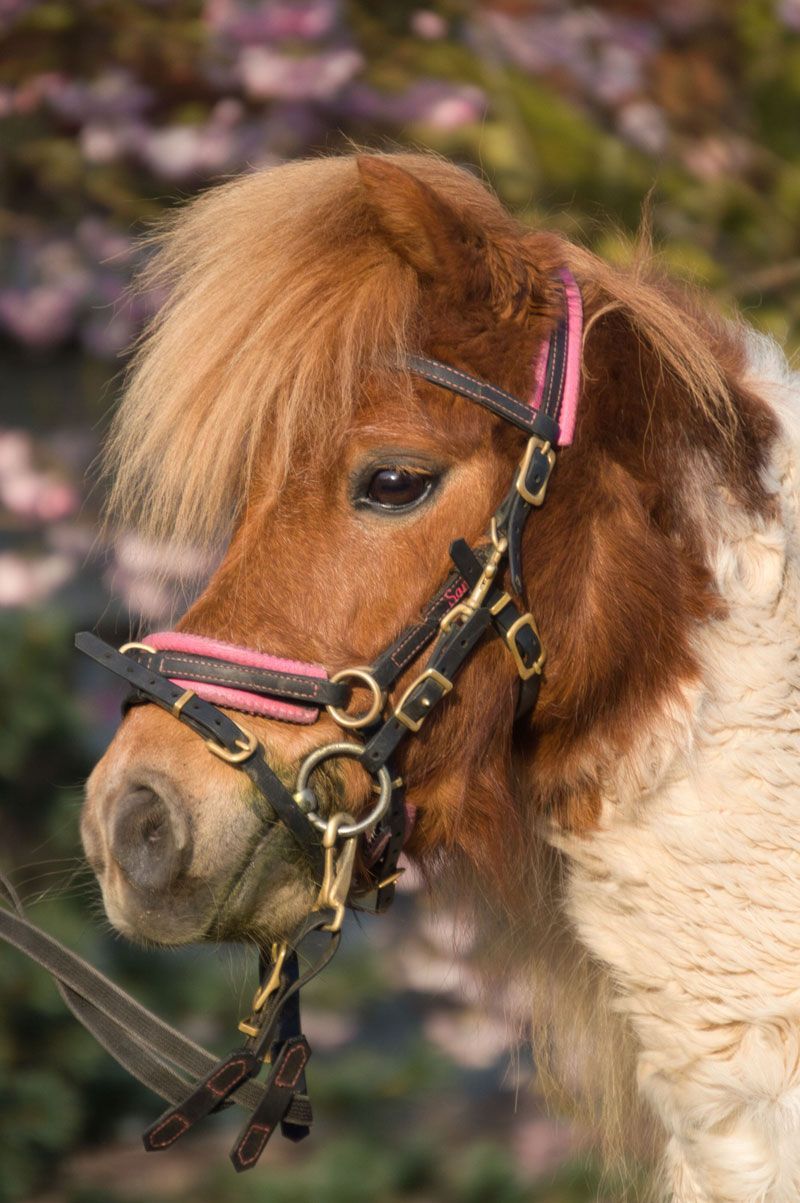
(152, 1051)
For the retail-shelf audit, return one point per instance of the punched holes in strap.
(204, 718)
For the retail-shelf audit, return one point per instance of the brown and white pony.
(632, 848)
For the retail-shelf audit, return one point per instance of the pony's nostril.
(149, 843)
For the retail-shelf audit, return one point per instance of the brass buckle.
(525, 671)
(178, 705)
(353, 722)
(415, 724)
(534, 444)
(248, 744)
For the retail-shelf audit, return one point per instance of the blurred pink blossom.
(182, 151)
(471, 1038)
(644, 125)
(29, 95)
(102, 242)
(113, 94)
(267, 74)
(686, 15)
(104, 141)
(542, 1145)
(428, 24)
(29, 581)
(135, 554)
(269, 21)
(152, 578)
(619, 73)
(328, 1029)
(41, 316)
(717, 156)
(27, 492)
(12, 10)
(432, 102)
(603, 53)
(789, 14)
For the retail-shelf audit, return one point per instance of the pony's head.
(269, 407)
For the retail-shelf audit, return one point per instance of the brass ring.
(335, 751)
(137, 647)
(353, 722)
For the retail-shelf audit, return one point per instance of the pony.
(630, 851)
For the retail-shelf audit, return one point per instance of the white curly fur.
(689, 891)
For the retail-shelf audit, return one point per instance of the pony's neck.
(688, 891)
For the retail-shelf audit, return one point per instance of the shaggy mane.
(282, 296)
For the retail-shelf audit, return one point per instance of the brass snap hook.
(338, 872)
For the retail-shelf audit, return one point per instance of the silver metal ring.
(333, 752)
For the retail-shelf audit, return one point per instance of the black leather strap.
(413, 640)
(294, 687)
(213, 724)
(383, 851)
(285, 1076)
(514, 512)
(447, 658)
(290, 1027)
(495, 399)
(207, 1096)
(525, 637)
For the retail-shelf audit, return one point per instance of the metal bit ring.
(333, 752)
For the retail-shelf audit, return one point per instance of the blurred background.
(111, 111)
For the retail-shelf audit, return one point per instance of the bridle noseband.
(191, 677)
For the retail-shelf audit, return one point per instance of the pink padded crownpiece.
(239, 699)
(572, 370)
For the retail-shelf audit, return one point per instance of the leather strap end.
(208, 1095)
(287, 1072)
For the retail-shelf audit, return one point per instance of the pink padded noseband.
(239, 699)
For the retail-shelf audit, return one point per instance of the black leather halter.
(471, 604)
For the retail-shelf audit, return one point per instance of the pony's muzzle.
(149, 839)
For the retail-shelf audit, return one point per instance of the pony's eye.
(397, 488)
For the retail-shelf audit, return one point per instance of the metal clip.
(464, 610)
(338, 871)
(265, 992)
